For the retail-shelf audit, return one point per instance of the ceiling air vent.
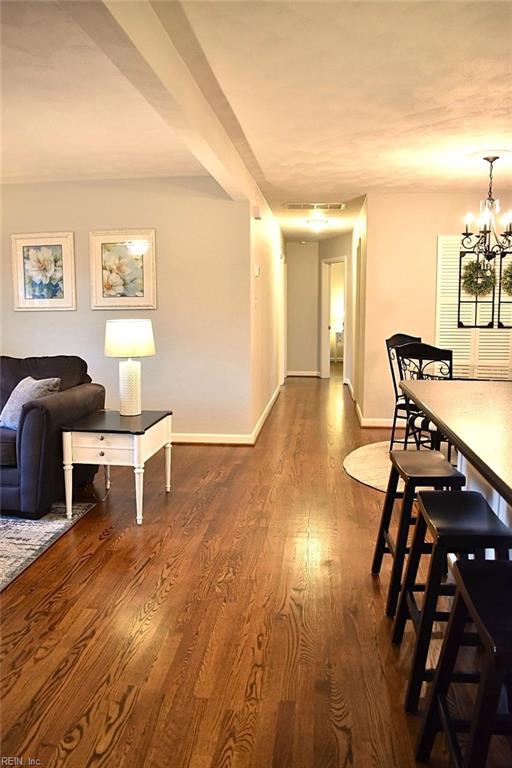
(314, 206)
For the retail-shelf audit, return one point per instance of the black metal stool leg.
(411, 572)
(393, 428)
(400, 549)
(407, 432)
(432, 721)
(387, 511)
(435, 575)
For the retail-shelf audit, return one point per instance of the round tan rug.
(370, 465)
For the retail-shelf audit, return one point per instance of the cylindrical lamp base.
(129, 388)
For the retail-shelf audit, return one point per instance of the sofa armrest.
(62, 408)
(39, 441)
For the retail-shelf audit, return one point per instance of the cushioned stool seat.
(421, 422)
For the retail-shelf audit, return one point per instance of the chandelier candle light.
(129, 338)
(485, 269)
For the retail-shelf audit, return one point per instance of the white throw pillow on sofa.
(27, 389)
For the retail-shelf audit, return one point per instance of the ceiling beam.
(132, 36)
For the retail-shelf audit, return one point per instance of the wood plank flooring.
(237, 627)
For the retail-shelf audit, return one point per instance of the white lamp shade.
(129, 338)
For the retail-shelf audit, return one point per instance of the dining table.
(476, 417)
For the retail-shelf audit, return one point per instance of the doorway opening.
(315, 305)
(332, 316)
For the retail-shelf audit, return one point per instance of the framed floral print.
(43, 268)
(123, 269)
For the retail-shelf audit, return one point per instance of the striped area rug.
(23, 541)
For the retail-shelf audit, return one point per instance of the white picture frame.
(43, 270)
(123, 269)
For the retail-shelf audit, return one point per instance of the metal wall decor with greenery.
(504, 314)
(478, 279)
(506, 280)
(477, 291)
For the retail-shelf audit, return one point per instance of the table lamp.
(129, 338)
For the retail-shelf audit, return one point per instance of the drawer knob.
(102, 453)
(102, 437)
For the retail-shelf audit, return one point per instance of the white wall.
(359, 253)
(338, 247)
(303, 306)
(355, 266)
(267, 312)
(202, 369)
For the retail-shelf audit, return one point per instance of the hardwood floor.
(238, 626)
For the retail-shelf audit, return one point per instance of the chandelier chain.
(490, 197)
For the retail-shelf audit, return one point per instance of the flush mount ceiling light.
(317, 222)
(485, 265)
(138, 247)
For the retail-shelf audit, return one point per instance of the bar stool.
(418, 469)
(416, 361)
(459, 522)
(484, 594)
(402, 408)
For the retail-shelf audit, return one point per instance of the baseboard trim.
(378, 423)
(303, 373)
(208, 438)
(350, 387)
(365, 422)
(198, 438)
(262, 419)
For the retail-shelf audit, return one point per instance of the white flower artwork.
(43, 271)
(123, 269)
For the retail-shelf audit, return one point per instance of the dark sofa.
(31, 473)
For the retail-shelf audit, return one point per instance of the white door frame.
(358, 328)
(283, 362)
(325, 321)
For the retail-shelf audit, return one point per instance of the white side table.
(109, 439)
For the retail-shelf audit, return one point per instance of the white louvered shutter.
(484, 353)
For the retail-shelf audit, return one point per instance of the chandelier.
(485, 265)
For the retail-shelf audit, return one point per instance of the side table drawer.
(100, 441)
(103, 455)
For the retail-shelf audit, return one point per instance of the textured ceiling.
(336, 98)
(68, 113)
(323, 100)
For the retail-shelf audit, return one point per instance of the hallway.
(238, 626)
